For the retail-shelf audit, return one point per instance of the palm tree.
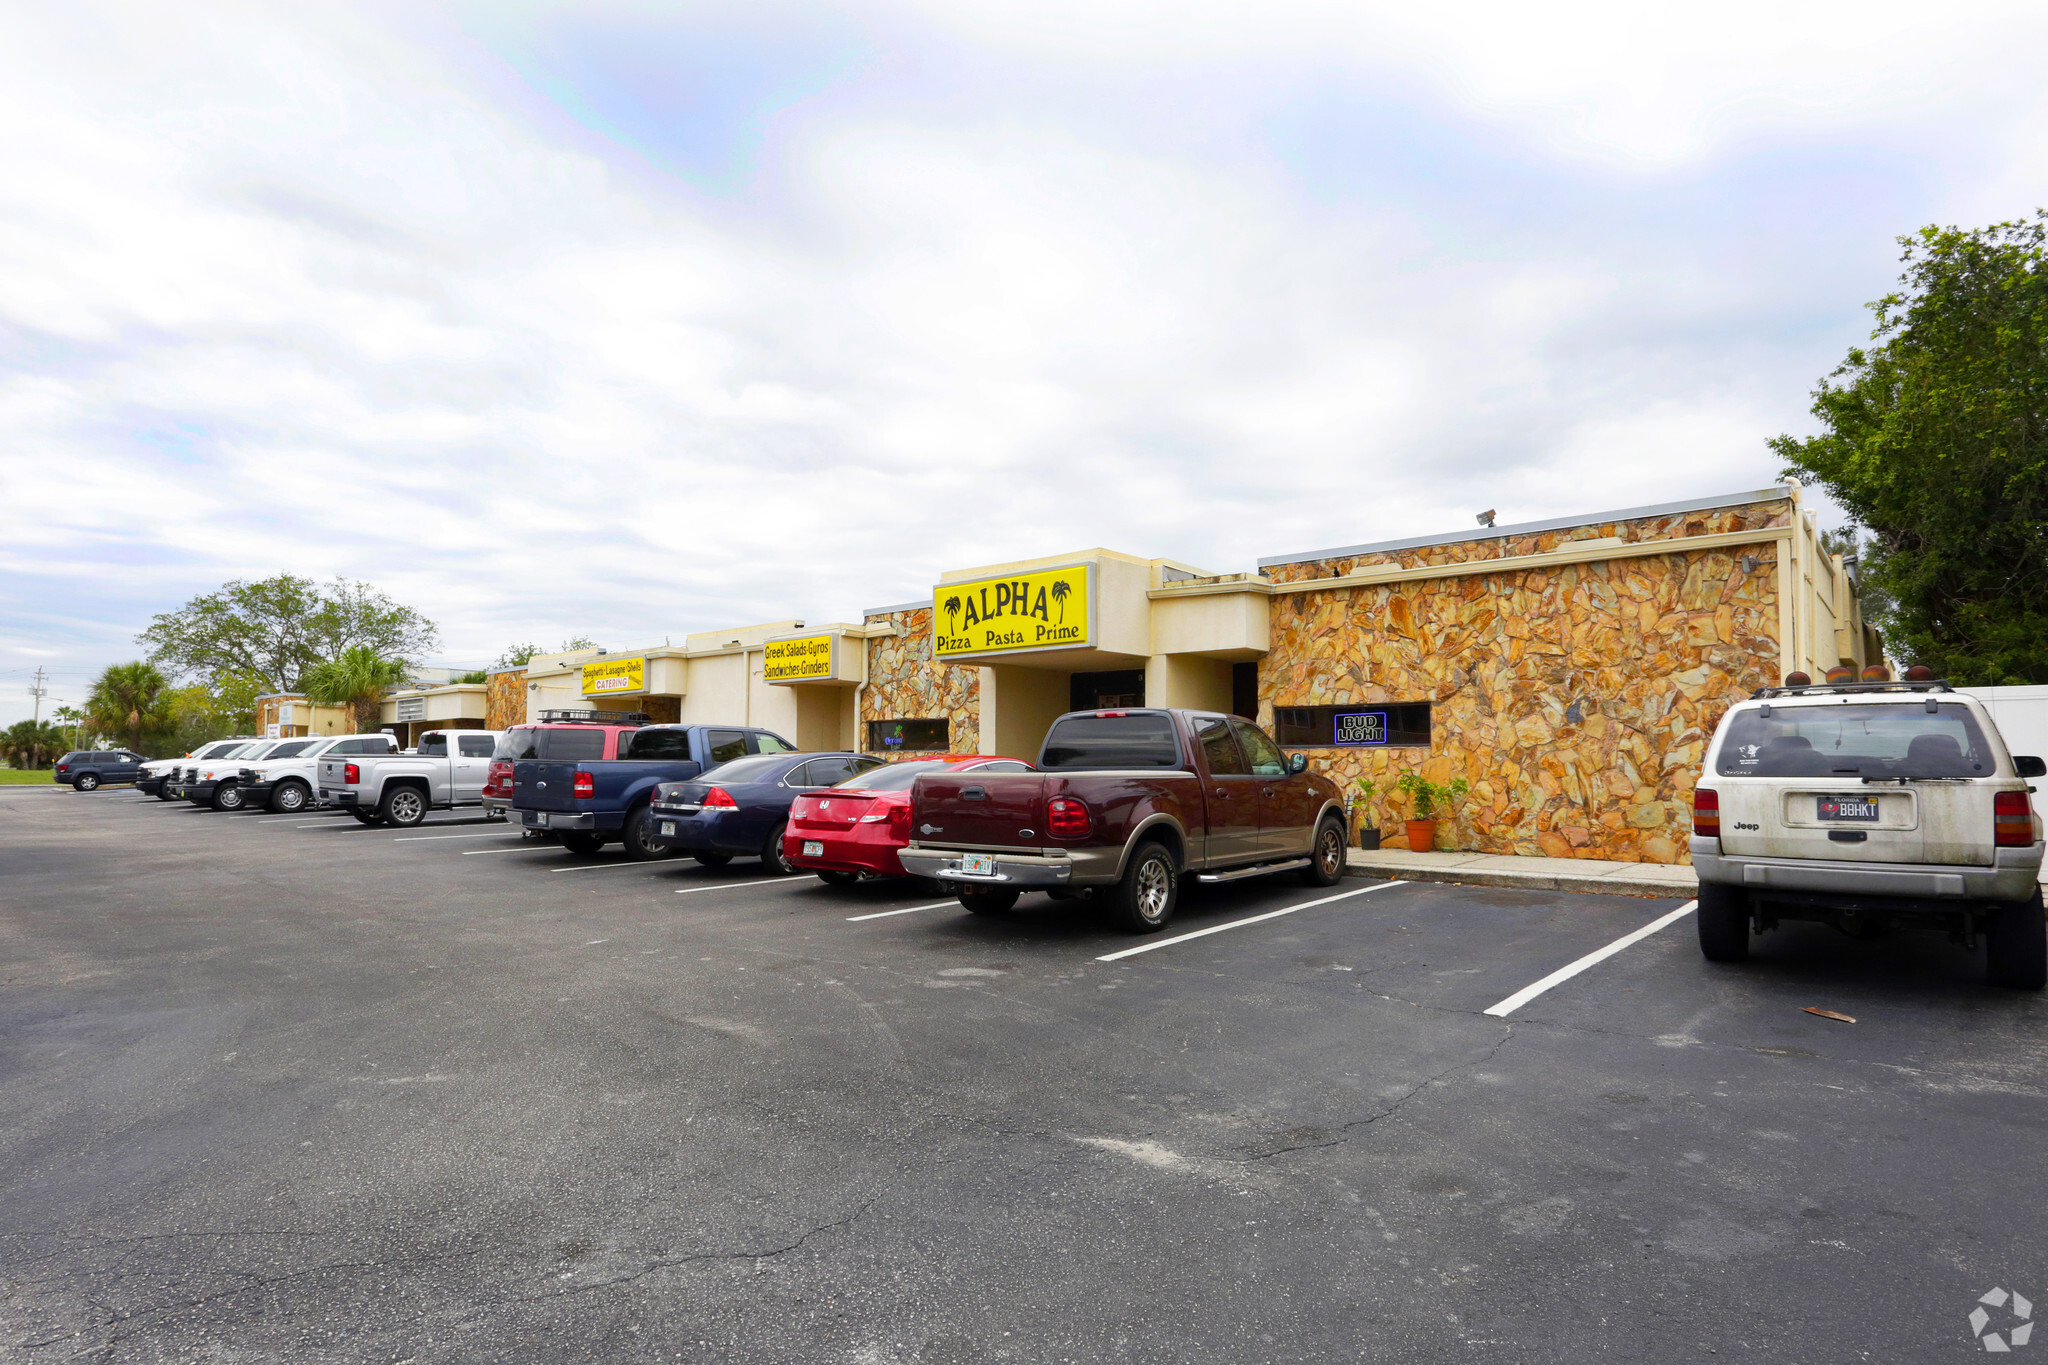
(1060, 589)
(952, 610)
(358, 680)
(130, 700)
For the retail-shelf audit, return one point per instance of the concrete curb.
(1609, 885)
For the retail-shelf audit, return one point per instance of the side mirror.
(2029, 766)
(1298, 763)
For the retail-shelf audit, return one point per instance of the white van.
(1870, 806)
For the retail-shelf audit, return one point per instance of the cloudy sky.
(634, 320)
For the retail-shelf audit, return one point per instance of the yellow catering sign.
(797, 660)
(1046, 609)
(604, 676)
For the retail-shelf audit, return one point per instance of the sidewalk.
(1536, 874)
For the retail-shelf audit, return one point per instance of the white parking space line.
(907, 910)
(1249, 919)
(719, 886)
(520, 848)
(1598, 955)
(422, 838)
(609, 867)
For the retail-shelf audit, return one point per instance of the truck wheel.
(1144, 900)
(289, 798)
(1723, 913)
(227, 796)
(638, 838)
(772, 860)
(988, 902)
(163, 793)
(1326, 856)
(581, 844)
(85, 782)
(366, 817)
(403, 807)
(2016, 945)
(713, 859)
(839, 878)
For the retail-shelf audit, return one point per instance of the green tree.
(519, 656)
(131, 701)
(358, 680)
(474, 676)
(70, 721)
(274, 630)
(28, 744)
(1935, 439)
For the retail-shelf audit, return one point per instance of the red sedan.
(853, 830)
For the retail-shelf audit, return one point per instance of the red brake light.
(719, 796)
(1066, 817)
(1111, 715)
(584, 787)
(899, 822)
(1706, 813)
(2012, 820)
(351, 774)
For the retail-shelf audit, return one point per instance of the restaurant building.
(1571, 671)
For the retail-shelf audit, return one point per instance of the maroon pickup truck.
(1123, 805)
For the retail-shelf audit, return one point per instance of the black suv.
(86, 769)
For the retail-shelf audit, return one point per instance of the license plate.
(1852, 808)
(538, 818)
(668, 829)
(814, 848)
(978, 864)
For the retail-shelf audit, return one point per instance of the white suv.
(1869, 806)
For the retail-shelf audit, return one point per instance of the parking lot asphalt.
(284, 1088)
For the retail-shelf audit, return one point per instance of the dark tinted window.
(1392, 725)
(907, 736)
(1264, 755)
(362, 746)
(828, 772)
(892, 777)
(1883, 739)
(725, 745)
(659, 742)
(571, 742)
(1137, 740)
(292, 750)
(476, 746)
(433, 746)
(516, 743)
(1219, 749)
(759, 768)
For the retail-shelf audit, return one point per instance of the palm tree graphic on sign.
(952, 610)
(1060, 589)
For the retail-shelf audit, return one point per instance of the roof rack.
(1822, 688)
(565, 717)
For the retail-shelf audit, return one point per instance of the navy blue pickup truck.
(590, 802)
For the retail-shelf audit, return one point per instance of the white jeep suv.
(1869, 806)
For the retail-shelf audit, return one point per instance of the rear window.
(657, 743)
(758, 768)
(891, 777)
(433, 746)
(1884, 739)
(1139, 740)
(569, 742)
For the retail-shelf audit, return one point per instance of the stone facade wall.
(1578, 701)
(505, 698)
(906, 683)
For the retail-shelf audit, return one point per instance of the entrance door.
(1235, 795)
(1106, 691)
(1288, 805)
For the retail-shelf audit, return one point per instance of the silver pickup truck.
(448, 769)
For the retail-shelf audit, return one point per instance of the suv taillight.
(1066, 817)
(1706, 813)
(2012, 820)
(719, 796)
(351, 774)
(584, 787)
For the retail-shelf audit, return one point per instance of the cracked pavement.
(273, 1093)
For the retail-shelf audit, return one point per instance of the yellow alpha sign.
(805, 660)
(603, 676)
(1044, 609)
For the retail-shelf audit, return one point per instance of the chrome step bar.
(1238, 874)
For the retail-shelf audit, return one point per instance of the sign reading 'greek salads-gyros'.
(797, 660)
(602, 676)
(1047, 609)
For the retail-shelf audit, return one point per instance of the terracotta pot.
(1421, 835)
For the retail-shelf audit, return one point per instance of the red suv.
(565, 735)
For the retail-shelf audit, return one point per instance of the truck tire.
(403, 807)
(290, 797)
(582, 844)
(366, 817)
(2016, 945)
(713, 859)
(1325, 855)
(638, 837)
(772, 860)
(228, 796)
(85, 782)
(1723, 913)
(987, 902)
(163, 793)
(1144, 900)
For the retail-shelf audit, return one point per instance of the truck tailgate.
(1000, 810)
(538, 784)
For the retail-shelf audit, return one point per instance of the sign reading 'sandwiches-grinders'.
(1044, 609)
(797, 660)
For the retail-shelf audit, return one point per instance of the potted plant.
(1426, 799)
(1368, 833)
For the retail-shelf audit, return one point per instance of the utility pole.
(38, 691)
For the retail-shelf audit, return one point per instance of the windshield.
(1139, 740)
(895, 777)
(759, 768)
(1884, 739)
(290, 750)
